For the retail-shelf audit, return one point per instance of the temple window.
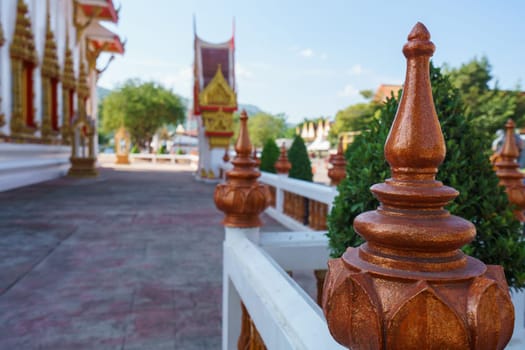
(23, 62)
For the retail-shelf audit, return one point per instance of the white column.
(231, 301)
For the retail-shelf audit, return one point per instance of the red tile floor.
(128, 260)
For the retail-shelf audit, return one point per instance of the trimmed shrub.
(269, 156)
(298, 158)
(482, 201)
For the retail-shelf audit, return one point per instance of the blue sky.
(311, 58)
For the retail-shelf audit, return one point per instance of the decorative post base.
(122, 159)
(394, 309)
(82, 167)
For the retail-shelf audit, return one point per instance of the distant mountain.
(250, 109)
(102, 93)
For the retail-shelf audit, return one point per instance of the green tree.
(264, 126)
(142, 107)
(261, 127)
(466, 168)
(356, 117)
(487, 107)
(298, 158)
(269, 156)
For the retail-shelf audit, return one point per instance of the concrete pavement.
(128, 260)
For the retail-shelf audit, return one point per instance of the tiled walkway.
(129, 260)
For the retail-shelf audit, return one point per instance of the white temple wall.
(21, 159)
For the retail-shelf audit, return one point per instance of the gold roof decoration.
(218, 92)
(68, 78)
(23, 45)
(50, 66)
(82, 87)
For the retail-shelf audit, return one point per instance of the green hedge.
(298, 158)
(270, 155)
(499, 238)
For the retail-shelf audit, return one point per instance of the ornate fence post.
(282, 167)
(507, 169)
(338, 171)
(242, 199)
(410, 286)
(336, 174)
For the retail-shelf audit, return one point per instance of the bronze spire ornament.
(283, 166)
(409, 286)
(507, 170)
(338, 171)
(242, 198)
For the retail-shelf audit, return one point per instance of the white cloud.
(357, 69)
(181, 81)
(241, 72)
(319, 72)
(306, 52)
(348, 91)
(324, 56)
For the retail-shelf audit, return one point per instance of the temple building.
(48, 74)
(385, 91)
(311, 131)
(214, 102)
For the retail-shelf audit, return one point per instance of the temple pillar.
(50, 78)
(409, 286)
(83, 158)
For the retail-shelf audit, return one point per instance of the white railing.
(172, 158)
(254, 272)
(282, 184)
(285, 316)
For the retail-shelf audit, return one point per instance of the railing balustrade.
(299, 205)
(324, 195)
(172, 158)
(254, 272)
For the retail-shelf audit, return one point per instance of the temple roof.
(104, 39)
(99, 9)
(384, 91)
(208, 58)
